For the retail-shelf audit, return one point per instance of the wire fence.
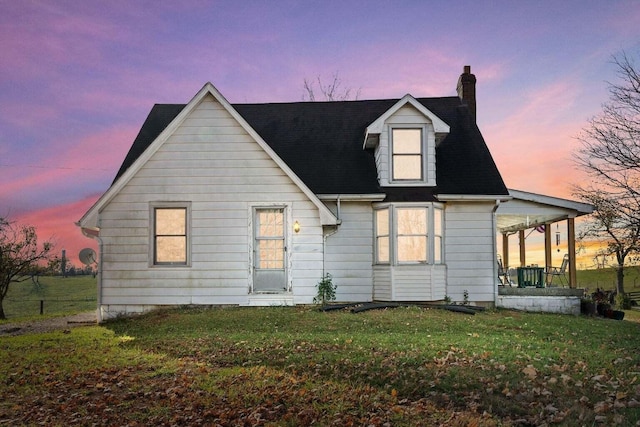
(48, 306)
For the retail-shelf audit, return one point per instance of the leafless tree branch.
(610, 154)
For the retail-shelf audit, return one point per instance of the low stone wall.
(544, 300)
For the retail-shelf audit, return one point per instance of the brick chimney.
(467, 89)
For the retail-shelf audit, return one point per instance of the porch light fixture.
(296, 227)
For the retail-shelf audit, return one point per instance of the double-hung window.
(170, 237)
(409, 234)
(407, 153)
(382, 236)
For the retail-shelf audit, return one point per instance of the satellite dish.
(87, 256)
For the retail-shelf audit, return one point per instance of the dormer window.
(404, 141)
(407, 152)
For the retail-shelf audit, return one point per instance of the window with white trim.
(170, 239)
(382, 236)
(409, 234)
(438, 229)
(407, 153)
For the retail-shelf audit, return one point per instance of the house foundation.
(545, 300)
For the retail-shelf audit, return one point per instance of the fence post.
(41, 307)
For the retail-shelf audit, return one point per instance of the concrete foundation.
(543, 300)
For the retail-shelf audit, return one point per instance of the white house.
(252, 204)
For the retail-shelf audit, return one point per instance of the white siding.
(211, 162)
(418, 282)
(469, 251)
(349, 252)
(382, 283)
(410, 282)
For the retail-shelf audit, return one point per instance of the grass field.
(60, 296)
(298, 366)
(605, 278)
(70, 295)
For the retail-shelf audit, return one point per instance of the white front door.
(269, 269)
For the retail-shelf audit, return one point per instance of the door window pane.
(270, 238)
(271, 254)
(271, 223)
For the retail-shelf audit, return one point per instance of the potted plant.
(602, 302)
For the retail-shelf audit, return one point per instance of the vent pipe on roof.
(467, 89)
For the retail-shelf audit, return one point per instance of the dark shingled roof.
(322, 143)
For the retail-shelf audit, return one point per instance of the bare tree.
(611, 224)
(610, 155)
(20, 255)
(332, 91)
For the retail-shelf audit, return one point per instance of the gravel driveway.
(48, 325)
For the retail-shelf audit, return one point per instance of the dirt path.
(48, 325)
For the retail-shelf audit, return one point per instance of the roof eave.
(374, 197)
(473, 197)
(579, 207)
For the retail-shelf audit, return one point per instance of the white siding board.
(469, 250)
(349, 253)
(202, 142)
(382, 283)
(411, 283)
(163, 277)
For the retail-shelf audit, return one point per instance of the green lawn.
(605, 278)
(60, 296)
(63, 296)
(298, 366)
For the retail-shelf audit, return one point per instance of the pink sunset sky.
(78, 78)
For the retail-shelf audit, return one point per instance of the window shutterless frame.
(407, 153)
(382, 224)
(170, 237)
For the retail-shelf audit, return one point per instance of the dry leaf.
(601, 407)
(530, 371)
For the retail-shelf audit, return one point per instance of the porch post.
(571, 243)
(505, 250)
(547, 248)
(523, 258)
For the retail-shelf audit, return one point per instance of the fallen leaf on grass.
(601, 407)
(530, 371)
(633, 403)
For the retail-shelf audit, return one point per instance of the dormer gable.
(404, 141)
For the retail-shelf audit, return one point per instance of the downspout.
(99, 281)
(99, 272)
(495, 251)
(324, 239)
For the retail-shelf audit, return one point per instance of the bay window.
(409, 234)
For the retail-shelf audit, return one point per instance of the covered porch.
(526, 212)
